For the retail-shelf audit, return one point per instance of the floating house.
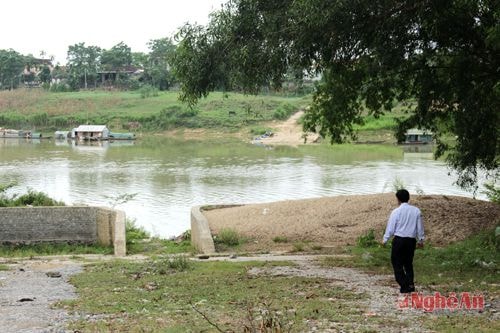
(418, 136)
(90, 133)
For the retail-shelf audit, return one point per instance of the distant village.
(90, 67)
(34, 72)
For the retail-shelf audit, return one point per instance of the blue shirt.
(405, 221)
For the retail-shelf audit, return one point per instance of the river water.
(167, 177)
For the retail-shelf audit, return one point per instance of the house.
(418, 136)
(90, 133)
(111, 76)
(32, 70)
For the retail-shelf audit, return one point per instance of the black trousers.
(403, 249)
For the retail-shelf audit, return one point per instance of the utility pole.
(85, 75)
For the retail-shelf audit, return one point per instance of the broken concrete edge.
(201, 236)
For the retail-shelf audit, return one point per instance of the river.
(167, 177)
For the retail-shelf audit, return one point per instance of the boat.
(121, 136)
(20, 134)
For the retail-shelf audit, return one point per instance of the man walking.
(405, 224)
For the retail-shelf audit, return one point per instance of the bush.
(147, 91)
(178, 263)
(284, 111)
(398, 184)
(280, 239)
(492, 192)
(260, 130)
(32, 198)
(228, 237)
(367, 240)
(59, 87)
(298, 247)
(173, 116)
(134, 233)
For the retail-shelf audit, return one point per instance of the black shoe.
(407, 290)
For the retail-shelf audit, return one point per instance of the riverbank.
(336, 222)
(218, 115)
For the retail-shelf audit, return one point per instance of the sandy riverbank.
(339, 221)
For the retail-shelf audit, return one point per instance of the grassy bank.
(130, 111)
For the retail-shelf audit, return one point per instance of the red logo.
(453, 302)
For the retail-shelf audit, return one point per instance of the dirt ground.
(339, 221)
(288, 132)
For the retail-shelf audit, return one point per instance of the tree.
(140, 59)
(118, 57)
(443, 55)
(45, 75)
(160, 60)
(11, 68)
(83, 63)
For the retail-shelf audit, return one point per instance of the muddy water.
(169, 176)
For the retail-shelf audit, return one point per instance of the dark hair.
(403, 195)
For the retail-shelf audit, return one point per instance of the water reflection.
(169, 177)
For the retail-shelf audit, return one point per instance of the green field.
(46, 111)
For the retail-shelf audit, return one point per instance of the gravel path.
(27, 293)
(381, 301)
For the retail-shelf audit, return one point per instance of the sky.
(31, 26)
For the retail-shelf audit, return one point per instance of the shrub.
(178, 263)
(280, 239)
(298, 247)
(59, 87)
(32, 198)
(398, 184)
(284, 111)
(492, 192)
(260, 130)
(147, 91)
(186, 236)
(134, 233)
(367, 240)
(317, 247)
(228, 237)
